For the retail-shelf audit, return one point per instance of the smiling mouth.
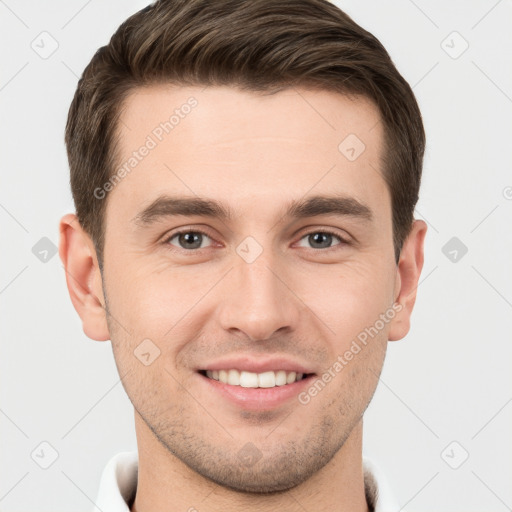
(246, 379)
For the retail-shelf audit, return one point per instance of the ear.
(407, 277)
(83, 278)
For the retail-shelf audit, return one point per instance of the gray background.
(446, 388)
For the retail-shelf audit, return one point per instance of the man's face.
(263, 288)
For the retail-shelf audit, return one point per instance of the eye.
(188, 239)
(321, 239)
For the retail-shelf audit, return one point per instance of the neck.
(166, 484)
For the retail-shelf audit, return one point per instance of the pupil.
(318, 236)
(190, 238)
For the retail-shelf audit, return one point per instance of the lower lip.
(257, 399)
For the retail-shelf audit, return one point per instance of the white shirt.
(119, 483)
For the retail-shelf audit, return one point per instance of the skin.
(254, 153)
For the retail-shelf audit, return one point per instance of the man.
(245, 175)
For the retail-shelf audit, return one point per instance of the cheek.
(152, 298)
(347, 298)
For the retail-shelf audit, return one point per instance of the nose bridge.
(257, 301)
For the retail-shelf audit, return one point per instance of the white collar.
(119, 483)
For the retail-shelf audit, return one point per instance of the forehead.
(216, 112)
(242, 147)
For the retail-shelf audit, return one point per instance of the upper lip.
(257, 364)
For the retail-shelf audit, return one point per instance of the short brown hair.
(254, 45)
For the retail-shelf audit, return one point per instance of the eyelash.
(199, 231)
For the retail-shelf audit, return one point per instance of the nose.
(258, 301)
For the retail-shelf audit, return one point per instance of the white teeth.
(266, 380)
(233, 378)
(290, 377)
(280, 378)
(248, 380)
(245, 379)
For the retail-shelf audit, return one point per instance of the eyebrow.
(169, 206)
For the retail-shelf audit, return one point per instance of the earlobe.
(83, 278)
(408, 275)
